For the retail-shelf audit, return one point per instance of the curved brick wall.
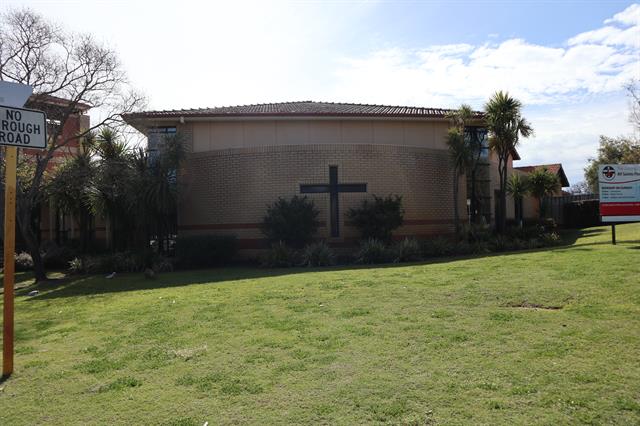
(227, 191)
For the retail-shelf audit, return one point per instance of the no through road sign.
(24, 128)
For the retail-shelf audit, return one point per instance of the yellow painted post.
(9, 265)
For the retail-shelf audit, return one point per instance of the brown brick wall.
(227, 191)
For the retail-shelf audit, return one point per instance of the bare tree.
(71, 69)
(633, 93)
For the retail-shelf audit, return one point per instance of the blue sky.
(566, 60)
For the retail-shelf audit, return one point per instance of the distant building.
(531, 206)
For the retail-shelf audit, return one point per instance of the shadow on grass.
(99, 285)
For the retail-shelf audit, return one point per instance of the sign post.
(9, 265)
(619, 187)
(18, 128)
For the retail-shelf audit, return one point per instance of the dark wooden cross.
(333, 188)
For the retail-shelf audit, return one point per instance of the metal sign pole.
(9, 262)
(613, 234)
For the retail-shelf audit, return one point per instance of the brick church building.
(243, 158)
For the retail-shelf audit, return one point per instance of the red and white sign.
(619, 186)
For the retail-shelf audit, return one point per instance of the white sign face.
(619, 186)
(24, 128)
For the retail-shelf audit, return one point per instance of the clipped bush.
(318, 254)
(293, 221)
(378, 218)
(406, 250)
(203, 251)
(280, 255)
(373, 251)
(23, 261)
(436, 247)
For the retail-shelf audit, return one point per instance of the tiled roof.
(37, 100)
(304, 108)
(555, 168)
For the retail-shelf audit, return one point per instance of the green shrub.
(23, 261)
(463, 248)
(293, 221)
(373, 251)
(55, 256)
(318, 254)
(500, 243)
(280, 255)
(436, 247)
(406, 250)
(378, 218)
(76, 266)
(120, 262)
(550, 239)
(203, 251)
(479, 232)
(480, 247)
(534, 243)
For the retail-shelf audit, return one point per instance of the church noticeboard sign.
(24, 128)
(619, 186)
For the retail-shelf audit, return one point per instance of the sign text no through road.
(22, 127)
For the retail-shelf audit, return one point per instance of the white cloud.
(535, 73)
(573, 92)
(610, 35)
(629, 16)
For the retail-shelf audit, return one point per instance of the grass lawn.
(542, 337)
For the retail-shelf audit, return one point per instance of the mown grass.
(542, 337)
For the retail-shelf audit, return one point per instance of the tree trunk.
(30, 239)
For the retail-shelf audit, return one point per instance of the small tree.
(293, 221)
(461, 153)
(518, 187)
(506, 126)
(460, 158)
(542, 183)
(378, 218)
(72, 184)
(618, 150)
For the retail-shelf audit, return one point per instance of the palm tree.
(112, 183)
(542, 183)
(71, 186)
(460, 150)
(460, 157)
(506, 126)
(153, 191)
(518, 187)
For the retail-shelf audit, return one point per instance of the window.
(479, 137)
(155, 138)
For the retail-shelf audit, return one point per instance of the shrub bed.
(204, 251)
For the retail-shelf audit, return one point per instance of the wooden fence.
(555, 205)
